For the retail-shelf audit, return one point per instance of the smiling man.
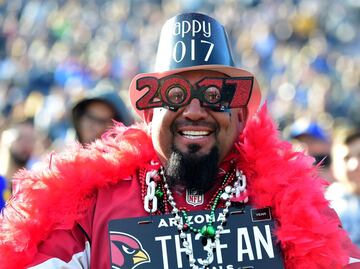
(193, 139)
(203, 183)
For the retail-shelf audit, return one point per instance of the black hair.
(352, 137)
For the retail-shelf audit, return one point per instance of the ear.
(148, 116)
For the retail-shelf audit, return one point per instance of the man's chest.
(126, 236)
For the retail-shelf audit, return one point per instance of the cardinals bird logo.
(126, 251)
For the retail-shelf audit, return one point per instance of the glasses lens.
(176, 95)
(212, 95)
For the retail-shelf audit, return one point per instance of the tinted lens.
(212, 95)
(176, 95)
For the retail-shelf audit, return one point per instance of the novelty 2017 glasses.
(174, 92)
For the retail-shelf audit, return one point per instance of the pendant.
(194, 198)
(208, 231)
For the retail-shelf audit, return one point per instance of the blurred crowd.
(57, 54)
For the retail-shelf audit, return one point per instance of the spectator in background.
(92, 115)
(314, 140)
(16, 149)
(345, 193)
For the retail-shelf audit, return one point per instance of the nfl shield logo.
(194, 198)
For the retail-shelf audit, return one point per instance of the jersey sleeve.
(65, 249)
(354, 255)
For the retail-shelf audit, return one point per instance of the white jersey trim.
(80, 260)
(353, 260)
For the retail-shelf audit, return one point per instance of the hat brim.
(254, 100)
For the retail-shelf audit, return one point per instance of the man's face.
(194, 129)
(22, 147)
(352, 162)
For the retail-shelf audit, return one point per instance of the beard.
(192, 171)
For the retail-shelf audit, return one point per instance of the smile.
(194, 134)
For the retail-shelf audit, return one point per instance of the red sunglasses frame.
(235, 92)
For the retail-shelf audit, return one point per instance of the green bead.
(159, 193)
(208, 231)
(203, 230)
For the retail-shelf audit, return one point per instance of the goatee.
(192, 171)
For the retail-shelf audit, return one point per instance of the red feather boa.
(278, 177)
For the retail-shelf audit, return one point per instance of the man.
(17, 148)
(344, 194)
(93, 115)
(130, 198)
(312, 138)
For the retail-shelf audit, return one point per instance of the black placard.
(154, 243)
(261, 214)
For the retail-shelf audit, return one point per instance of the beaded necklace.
(158, 196)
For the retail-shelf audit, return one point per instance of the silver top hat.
(192, 39)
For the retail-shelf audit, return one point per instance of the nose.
(194, 111)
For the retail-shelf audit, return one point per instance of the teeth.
(195, 133)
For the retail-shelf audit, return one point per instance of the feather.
(54, 197)
(307, 229)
